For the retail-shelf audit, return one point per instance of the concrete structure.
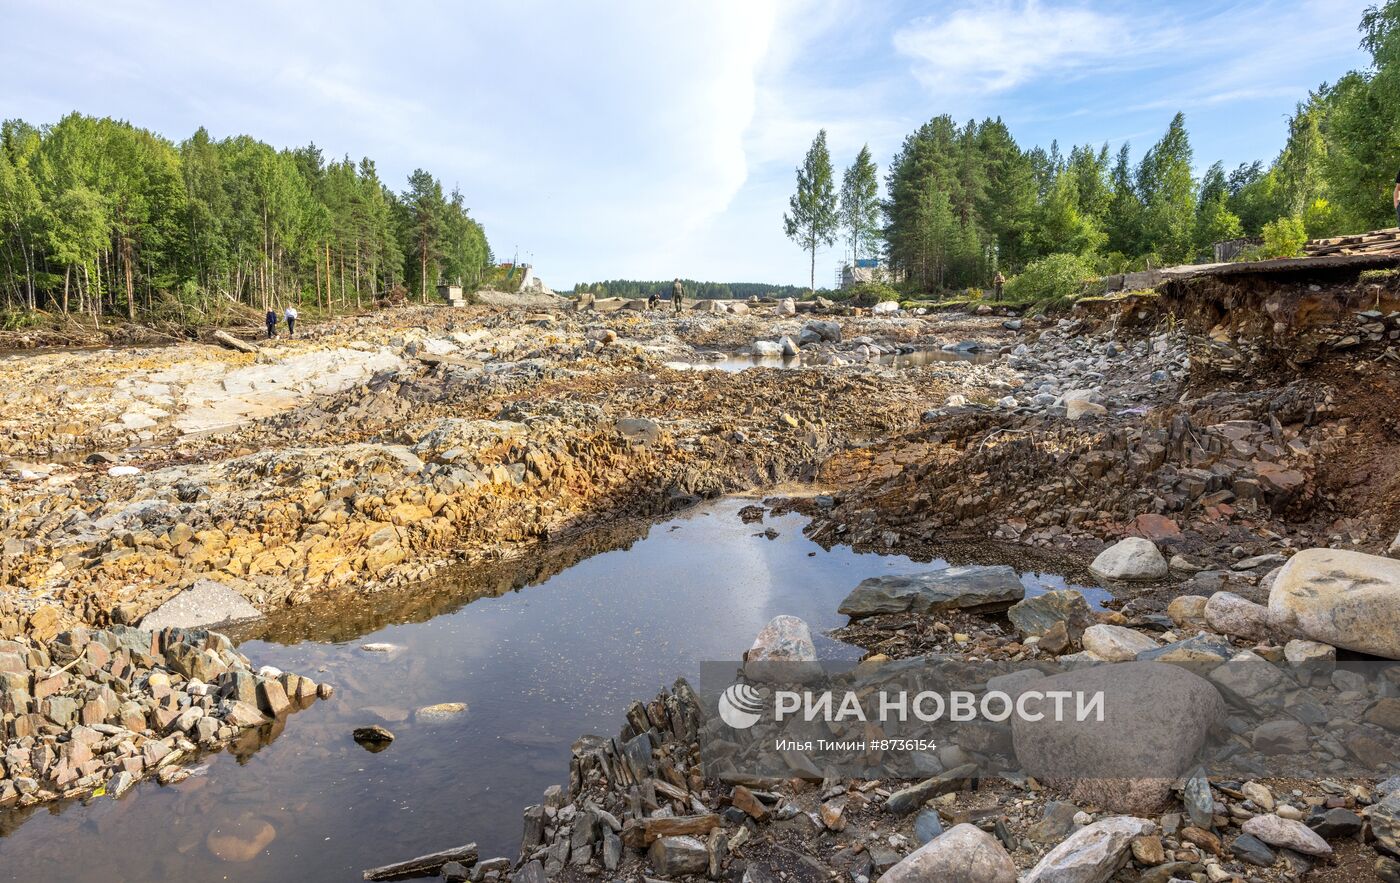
(452, 294)
(868, 270)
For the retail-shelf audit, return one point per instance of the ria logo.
(741, 706)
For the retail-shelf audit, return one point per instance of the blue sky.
(648, 140)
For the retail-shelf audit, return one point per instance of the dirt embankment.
(1281, 427)
(378, 450)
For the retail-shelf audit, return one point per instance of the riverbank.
(377, 452)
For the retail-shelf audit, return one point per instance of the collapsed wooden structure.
(1375, 242)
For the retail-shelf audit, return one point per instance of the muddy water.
(742, 362)
(537, 667)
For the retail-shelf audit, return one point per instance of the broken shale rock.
(970, 588)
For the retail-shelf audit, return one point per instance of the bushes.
(1284, 238)
(869, 293)
(1058, 277)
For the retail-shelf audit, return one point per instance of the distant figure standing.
(998, 284)
(1395, 199)
(271, 318)
(677, 293)
(291, 321)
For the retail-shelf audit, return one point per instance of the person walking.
(291, 315)
(677, 294)
(271, 319)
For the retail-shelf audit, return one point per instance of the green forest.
(101, 218)
(632, 288)
(963, 202)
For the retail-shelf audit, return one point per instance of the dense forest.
(963, 202)
(632, 288)
(102, 218)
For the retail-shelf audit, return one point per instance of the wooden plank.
(424, 865)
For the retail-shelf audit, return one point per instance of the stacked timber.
(1375, 242)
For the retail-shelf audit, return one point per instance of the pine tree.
(860, 202)
(812, 220)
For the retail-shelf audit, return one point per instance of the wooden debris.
(232, 342)
(1375, 242)
(424, 865)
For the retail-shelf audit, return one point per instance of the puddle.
(742, 362)
(609, 620)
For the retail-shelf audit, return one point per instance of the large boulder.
(782, 650)
(1286, 834)
(1132, 558)
(1385, 823)
(1347, 599)
(822, 330)
(1036, 616)
(205, 603)
(1114, 643)
(1231, 614)
(1156, 719)
(1092, 854)
(964, 854)
(973, 588)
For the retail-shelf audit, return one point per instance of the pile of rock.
(95, 709)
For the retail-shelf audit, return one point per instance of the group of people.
(677, 295)
(291, 315)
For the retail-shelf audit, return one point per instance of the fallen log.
(424, 865)
(232, 342)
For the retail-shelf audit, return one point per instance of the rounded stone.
(1132, 558)
(964, 854)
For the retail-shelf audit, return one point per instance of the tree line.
(634, 289)
(964, 202)
(100, 217)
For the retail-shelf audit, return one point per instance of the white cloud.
(993, 47)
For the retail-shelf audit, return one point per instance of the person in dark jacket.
(271, 319)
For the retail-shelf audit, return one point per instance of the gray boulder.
(1156, 719)
(205, 603)
(964, 854)
(822, 330)
(1093, 854)
(1230, 614)
(1036, 616)
(971, 588)
(1346, 599)
(1133, 558)
(782, 650)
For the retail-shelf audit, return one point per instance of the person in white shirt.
(291, 316)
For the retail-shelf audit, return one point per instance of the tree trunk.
(130, 289)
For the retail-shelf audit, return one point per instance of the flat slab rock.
(205, 603)
(973, 588)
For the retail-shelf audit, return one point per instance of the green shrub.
(1284, 238)
(1057, 277)
(869, 293)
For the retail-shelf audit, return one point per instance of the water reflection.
(613, 617)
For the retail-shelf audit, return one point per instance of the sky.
(648, 140)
